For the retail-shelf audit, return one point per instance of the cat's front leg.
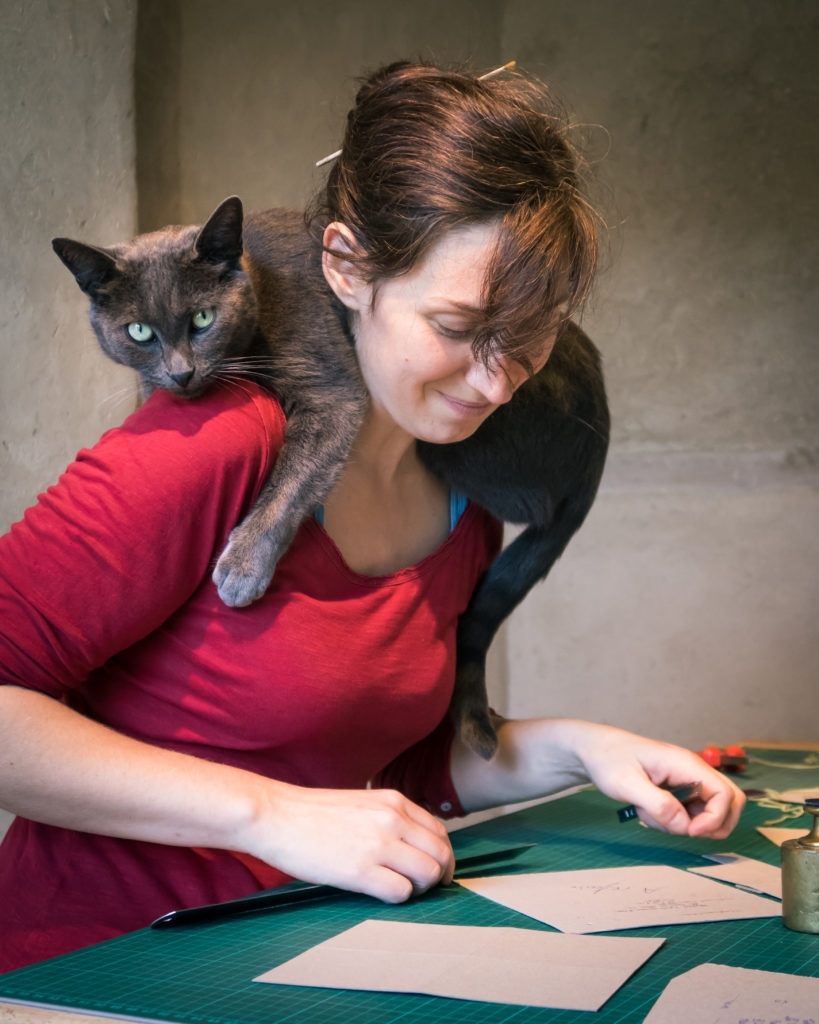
(315, 448)
(246, 566)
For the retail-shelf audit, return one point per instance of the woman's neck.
(386, 511)
(382, 448)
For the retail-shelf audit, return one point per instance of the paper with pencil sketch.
(520, 966)
(735, 995)
(608, 899)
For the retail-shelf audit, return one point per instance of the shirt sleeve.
(129, 532)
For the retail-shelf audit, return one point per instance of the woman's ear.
(341, 274)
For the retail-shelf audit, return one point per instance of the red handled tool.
(727, 759)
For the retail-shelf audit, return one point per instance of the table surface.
(204, 974)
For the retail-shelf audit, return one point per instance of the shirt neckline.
(420, 568)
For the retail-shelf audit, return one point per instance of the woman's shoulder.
(172, 460)
(228, 419)
(226, 429)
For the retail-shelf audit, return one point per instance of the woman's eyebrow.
(440, 302)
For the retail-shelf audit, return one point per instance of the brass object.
(800, 877)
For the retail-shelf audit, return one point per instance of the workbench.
(203, 974)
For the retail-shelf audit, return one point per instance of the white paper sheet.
(520, 966)
(735, 995)
(738, 870)
(608, 899)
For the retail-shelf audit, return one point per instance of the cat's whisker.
(245, 375)
(118, 396)
(241, 364)
(253, 367)
(592, 428)
(233, 381)
(248, 359)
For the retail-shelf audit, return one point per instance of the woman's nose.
(496, 383)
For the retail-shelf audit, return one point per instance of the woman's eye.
(451, 332)
(202, 318)
(141, 332)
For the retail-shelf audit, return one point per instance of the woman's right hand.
(63, 769)
(373, 841)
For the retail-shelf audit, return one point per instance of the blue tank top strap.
(457, 503)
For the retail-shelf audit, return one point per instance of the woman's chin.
(448, 434)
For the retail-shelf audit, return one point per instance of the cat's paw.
(470, 709)
(477, 732)
(244, 571)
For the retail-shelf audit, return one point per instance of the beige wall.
(66, 168)
(255, 92)
(686, 607)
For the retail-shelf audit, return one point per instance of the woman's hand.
(636, 770)
(540, 756)
(371, 841)
(58, 767)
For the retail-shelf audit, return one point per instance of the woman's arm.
(63, 769)
(541, 756)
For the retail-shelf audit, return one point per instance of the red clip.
(727, 759)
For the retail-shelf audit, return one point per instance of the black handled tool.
(303, 892)
(682, 793)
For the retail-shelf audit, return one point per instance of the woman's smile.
(464, 408)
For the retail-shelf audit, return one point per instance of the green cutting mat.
(204, 974)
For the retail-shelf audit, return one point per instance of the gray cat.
(184, 309)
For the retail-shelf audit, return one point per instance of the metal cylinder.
(800, 877)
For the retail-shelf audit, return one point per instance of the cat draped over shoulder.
(188, 306)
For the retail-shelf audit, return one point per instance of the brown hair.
(426, 150)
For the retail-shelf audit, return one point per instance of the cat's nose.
(182, 379)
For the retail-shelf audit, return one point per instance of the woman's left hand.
(542, 755)
(640, 771)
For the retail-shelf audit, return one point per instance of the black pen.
(681, 793)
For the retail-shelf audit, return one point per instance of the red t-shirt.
(332, 679)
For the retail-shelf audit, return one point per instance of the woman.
(164, 750)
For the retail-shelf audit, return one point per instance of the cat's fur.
(537, 460)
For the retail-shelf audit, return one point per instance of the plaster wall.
(66, 168)
(248, 96)
(687, 605)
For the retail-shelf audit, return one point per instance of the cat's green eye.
(202, 318)
(141, 332)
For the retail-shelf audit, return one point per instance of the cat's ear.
(220, 240)
(93, 268)
(341, 273)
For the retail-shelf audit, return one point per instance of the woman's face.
(415, 344)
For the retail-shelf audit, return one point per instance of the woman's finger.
(723, 803)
